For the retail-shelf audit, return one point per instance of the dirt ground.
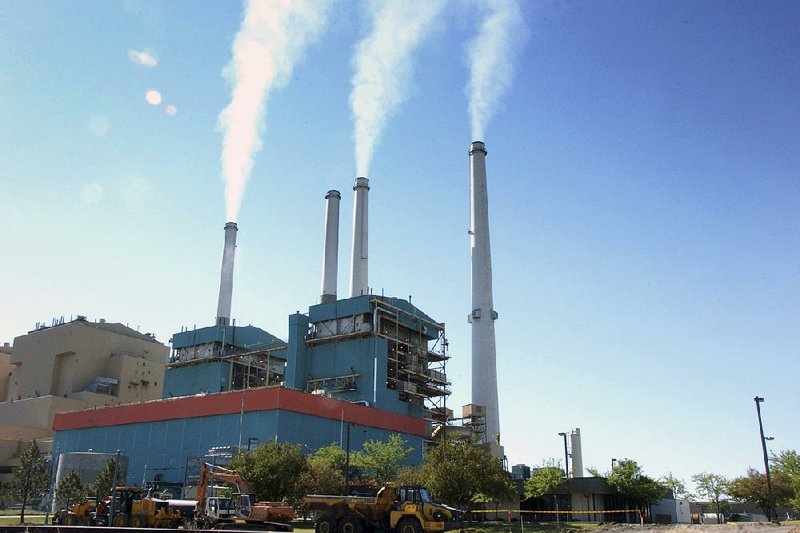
(739, 527)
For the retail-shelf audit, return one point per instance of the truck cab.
(221, 508)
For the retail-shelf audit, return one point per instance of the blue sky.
(643, 181)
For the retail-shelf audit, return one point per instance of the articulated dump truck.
(395, 509)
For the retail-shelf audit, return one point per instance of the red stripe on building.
(227, 403)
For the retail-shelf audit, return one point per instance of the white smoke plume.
(273, 37)
(383, 64)
(491, 55)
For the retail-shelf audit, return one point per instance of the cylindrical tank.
(87, 465)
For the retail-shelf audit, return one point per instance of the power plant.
(376, 362)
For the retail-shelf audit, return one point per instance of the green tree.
(324, 473)
(105, 481)
(458, 472)
(752, 488)
(382, 460)
(320, 478)
(595, 472)
(676, 485)
(629, 480)
(712, 487)
(30, 478)
(545, 480)
(788, 462)
(3, 495)
(273, 470)
(333, 454)
(409, 475)
(70, 489)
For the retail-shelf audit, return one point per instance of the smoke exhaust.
(226, 276)
(330, 254)
(358, 265)
(484, 364)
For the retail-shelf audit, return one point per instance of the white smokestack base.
(226, 276)
(484, 364)
(358, 266)
(330, 254)
(577, 455)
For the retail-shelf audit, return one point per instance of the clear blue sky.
(644, 193)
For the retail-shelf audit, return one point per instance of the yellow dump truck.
(399, 509)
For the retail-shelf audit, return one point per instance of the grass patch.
(7, 520)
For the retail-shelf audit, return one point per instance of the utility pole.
(566, 456)
(772, 511)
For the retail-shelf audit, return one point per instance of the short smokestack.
(577, 454)
(358, 266)
(484, 364)
(330, 254)
(226, 276)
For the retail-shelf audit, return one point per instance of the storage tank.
(88, 465)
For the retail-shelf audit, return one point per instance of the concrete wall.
(587, 501)
(51, 368)
(10, 450)
(5, 369)
(140, 379)
(66, 358)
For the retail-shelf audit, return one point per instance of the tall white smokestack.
(358, 266)
(330, 255)
(226, 276)
(484, 365)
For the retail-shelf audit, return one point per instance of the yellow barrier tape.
(523, 511)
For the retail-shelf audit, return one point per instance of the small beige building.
(71, 366)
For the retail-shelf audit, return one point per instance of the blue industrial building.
(371, 365)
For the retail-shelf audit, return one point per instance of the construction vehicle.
(399, 509)
(79, 514)
(218, 512)
(132, 507)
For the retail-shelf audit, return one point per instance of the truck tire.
(408, 524)
(325, 524)
(351, 523)
(71, 519)
(138, 521)
(120, 520)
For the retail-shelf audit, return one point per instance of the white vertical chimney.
(484, 365)
(577, 455)
(358, 266)
(330, 255)
(226, 276)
